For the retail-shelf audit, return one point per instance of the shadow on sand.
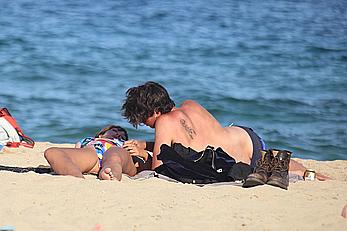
(41, 169)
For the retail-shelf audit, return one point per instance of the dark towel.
(209, 166)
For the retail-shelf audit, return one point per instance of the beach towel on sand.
(147, 174)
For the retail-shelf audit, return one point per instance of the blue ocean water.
(279, 67)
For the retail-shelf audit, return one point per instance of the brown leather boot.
(261, 172)
(280, 167)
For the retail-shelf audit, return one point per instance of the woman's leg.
(72, 161)
(115, 162)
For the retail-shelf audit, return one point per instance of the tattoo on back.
(188, 129)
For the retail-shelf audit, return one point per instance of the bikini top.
(101, 141)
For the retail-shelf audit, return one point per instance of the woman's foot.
(115, 162)
(111, 173)
(106, 174)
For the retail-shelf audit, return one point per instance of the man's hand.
(322, 177)
(136, 148)
(139, 143)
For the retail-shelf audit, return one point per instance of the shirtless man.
(191, 125)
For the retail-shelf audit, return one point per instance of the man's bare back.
(193, 126)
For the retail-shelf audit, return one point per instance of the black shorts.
(258, 145)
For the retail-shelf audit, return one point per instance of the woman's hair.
(112, 127)
(141, 102)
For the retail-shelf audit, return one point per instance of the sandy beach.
(33, 201)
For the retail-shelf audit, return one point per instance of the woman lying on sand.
(92, 155)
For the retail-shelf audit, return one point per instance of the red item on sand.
(11, 135)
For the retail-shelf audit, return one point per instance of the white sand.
(32, 201)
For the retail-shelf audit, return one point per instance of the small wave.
(217, 51)
(239, 100)
(7, 97)
(332, 103)
(343, 58)
(159, 15)
(325, 49)
(287, 102)
(50, 101)
(32, 78)
(10, 41)
(4, 43)
(268, 102)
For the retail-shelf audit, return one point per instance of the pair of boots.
(271, 169)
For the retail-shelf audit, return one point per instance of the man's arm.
(163, 135)
(296, 167)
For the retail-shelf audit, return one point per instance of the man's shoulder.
(190, 102)
(182, 112)
(190, 105)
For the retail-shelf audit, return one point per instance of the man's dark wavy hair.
(141, 102)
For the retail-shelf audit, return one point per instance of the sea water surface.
(277, 66)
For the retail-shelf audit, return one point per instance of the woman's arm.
(299, 169)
